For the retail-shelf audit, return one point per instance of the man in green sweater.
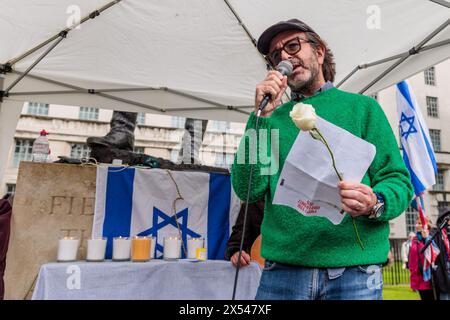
(309, 257)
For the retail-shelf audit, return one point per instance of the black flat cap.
(267, 36)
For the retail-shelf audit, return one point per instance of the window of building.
(432, 107)
(430, 76)
(79, 151)
(221, 126)
(10, 188)
(174, 155)
(411, 216)
(22, 151)
(440, 182)
(223, 160)
(139, 150)
(435, 136)
(88, 113)
(442, 205)
(140, 118)
(178, 122)
(38, 109)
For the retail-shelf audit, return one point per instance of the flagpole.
(423, 219)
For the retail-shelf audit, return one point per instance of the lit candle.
(140, 249)
(96, 249)
(68, 249)
(121, 249)
(193, 245)
(172, 248)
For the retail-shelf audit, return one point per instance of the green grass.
(399, 293)
(395, 274)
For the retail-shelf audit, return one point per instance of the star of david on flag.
(172, 221)
(409, 123)
(131, 201)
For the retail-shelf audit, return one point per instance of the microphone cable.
(238, 266)
(285, 67)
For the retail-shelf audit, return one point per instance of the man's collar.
(297, 96)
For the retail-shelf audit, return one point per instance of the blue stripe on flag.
(119, 205)
(429, 150)
(404, 90)
(417, 184)
(218, 215)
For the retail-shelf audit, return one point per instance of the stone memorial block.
(51, 201)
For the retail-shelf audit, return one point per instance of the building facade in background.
(160, 136)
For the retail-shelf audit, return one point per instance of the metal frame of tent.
(59, 37)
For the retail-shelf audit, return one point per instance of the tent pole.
(99, 92)
(139, 104)
(442, 3)
(252, 39)
(401, 55)
(9, 116)
(2, 93)
(15, 82)
(348, 76)
(91, 15)
(412, 51)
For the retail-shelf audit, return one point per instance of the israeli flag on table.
(131, 201)
(418, 153)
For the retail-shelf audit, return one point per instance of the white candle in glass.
(96, 249)
(172, 246)
(193, 245)
(68, 249)
(152, 247)
(121, 249)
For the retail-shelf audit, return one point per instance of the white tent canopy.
(197, 58)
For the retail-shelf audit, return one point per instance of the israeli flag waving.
(418, 153)
(159, 203)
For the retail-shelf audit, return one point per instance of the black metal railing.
(395, 272)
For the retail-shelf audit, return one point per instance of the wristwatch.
(378, 209)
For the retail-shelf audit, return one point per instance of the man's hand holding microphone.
(270, 90)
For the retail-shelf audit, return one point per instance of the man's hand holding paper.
(309, 184)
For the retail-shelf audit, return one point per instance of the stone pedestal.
(51, 200)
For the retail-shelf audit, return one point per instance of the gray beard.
(305, 86)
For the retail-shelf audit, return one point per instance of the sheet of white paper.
(308, 182)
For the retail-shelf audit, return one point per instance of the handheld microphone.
(285, 67)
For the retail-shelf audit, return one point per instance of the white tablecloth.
(155, 279)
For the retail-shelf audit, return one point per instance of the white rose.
(304, 116)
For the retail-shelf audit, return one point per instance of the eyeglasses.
(291, 47)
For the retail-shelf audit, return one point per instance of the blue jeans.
(286, 282)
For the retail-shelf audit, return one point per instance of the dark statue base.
(107, 155)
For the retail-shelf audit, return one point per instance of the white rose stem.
(316, 130)
(329, 150)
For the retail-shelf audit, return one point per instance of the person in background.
(416, 260)
(5, 227)
(390, 259)
(405, 249)
(441, 272)
(253, 229)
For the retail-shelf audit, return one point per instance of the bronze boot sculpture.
(121, 134)
(118, 143)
